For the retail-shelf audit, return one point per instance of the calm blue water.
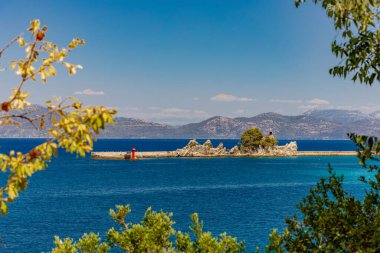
(246, 197)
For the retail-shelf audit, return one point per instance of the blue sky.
(177, 61)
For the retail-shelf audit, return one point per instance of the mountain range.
(314, 124)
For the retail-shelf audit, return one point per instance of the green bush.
(155, 234)
(332, 221)
(269, 141)
(252, 139)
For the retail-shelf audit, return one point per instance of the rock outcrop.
(195, 149)
(289, 149)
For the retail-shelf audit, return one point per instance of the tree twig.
(9, 44)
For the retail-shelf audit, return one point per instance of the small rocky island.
(252, 144)
(196, 149)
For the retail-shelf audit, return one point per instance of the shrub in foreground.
(154, 234)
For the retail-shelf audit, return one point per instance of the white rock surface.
(195, 149)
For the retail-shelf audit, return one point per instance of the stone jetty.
(195, 149)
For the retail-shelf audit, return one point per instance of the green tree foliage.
(252, 139)
(358, 41)
(72, 126)
(155, 234)
(332, 219)
(268, 141)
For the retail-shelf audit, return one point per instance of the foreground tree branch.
(358, 43)
(72, 126)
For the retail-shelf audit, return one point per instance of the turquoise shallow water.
(246, 197)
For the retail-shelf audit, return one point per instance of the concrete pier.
(327, 153)
(170, 154)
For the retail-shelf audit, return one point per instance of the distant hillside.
(316, 124)
(27, 130)
(340, 116)
(284, 127)
(136, 128)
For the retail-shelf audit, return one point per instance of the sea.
(245, 197)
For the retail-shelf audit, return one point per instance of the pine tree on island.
(253, 139)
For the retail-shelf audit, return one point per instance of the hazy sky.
(178, 61)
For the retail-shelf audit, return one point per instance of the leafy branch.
(72, 126)
(358, 43)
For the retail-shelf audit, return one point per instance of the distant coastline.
(312, 125)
